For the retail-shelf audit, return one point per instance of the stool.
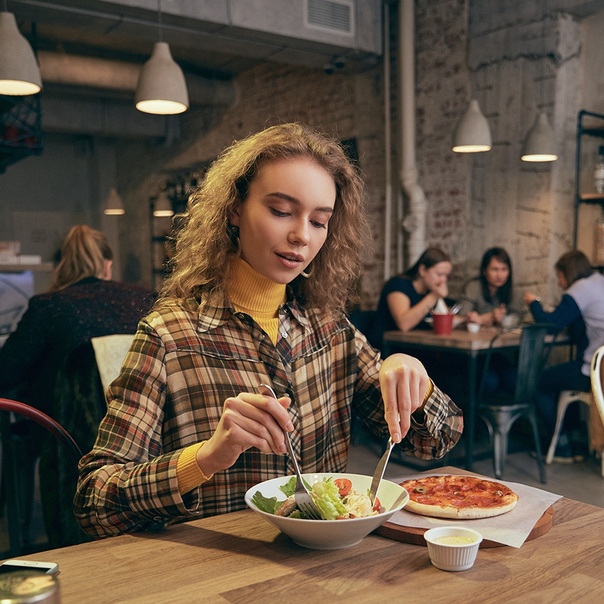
(564, 400)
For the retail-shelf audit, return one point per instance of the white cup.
(473, 327)
(510, 321)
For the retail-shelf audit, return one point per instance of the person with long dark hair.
(407, 299)
(488, 298)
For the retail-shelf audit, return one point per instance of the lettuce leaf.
(327, 498)
(266, 504)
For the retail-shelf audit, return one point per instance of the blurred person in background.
(489, 297)
(48, 361)
(407, 299)
(487, 300)
(581, 312)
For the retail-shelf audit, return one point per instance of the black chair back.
(500, 410)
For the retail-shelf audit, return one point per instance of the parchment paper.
(510, 529)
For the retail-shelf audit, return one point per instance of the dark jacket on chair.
(49, 363)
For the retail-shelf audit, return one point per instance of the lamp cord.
(159, 24)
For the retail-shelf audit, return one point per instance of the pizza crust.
(458, 497)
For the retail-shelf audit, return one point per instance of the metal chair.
(597, 379)
(502, 409)
(17, 525)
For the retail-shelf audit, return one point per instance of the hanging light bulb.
(114, 205)
(19, 71)
(472, 134)
(163, 206)
(540, 145)
(161, 85)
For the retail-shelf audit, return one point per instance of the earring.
(306, 275)
(234, 237)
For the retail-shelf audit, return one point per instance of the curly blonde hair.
(83, 254)
(206, 242)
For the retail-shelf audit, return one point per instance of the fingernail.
(289, 427)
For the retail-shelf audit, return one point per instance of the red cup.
(442, 324)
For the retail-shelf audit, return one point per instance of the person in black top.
(406, 299)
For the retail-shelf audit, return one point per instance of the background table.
(460, 341)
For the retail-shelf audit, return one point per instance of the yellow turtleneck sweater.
(256, 296)
(260, 298)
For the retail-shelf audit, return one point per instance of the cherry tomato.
(377, 506)
(344, 485)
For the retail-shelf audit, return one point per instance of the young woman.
(581, 310)
(406, 300)
(264, 263)
(488, 298)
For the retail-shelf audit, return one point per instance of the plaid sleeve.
(431, 439)
(127, 482)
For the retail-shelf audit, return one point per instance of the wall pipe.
(387, 150)
(415, 222)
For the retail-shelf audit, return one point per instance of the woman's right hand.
(441, 289)
(248, 420)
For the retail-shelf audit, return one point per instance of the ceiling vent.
(336, 16)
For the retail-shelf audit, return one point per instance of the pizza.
(465, 497)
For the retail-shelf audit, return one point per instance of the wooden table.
(240, 557)
(460, 341)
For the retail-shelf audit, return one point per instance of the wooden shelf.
(42, 267)
(591, 197)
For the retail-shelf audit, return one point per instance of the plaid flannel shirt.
(182, 366)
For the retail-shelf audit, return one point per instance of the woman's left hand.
(404, 382)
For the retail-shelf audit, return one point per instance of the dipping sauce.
(454, 540)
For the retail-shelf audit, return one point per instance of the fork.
(302, 496)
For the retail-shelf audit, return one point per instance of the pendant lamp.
(161, 85)
(19, 71)
(114, 205)
(163, 206)
(539, 145)
(472, 134)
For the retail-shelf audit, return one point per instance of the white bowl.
(452, 548)
(331, 534)
(473, 327)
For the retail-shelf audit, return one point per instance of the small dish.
(452, 548)
(473, 327)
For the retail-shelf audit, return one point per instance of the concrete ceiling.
(211, 38)
(91, 51)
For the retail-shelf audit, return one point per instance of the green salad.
(336, 499)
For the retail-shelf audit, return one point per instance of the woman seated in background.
(48, 363)
(488, 298)
(407, 299)
(582, 304)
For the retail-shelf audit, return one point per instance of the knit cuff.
(188, 472)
